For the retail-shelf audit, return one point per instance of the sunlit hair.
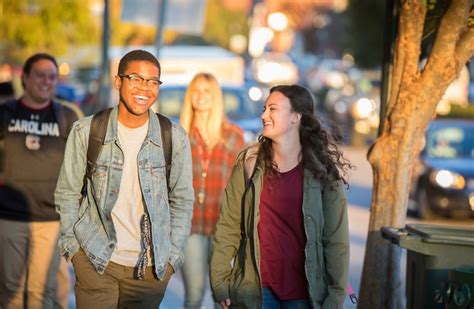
(320, 154)
(216, 114)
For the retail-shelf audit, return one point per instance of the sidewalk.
(361, 182)
(358, 225)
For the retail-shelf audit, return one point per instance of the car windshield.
(237, 105)
(450, 142)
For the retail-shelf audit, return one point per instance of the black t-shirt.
(33, 154)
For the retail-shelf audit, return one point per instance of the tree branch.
(465, 47)
(451, 26)
(412, 16)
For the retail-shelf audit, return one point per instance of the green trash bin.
(432, 252)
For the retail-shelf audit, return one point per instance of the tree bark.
(415, 92)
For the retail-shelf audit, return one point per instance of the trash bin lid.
(442, 234)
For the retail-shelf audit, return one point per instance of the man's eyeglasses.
(138, 80)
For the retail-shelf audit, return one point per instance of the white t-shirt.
(129, 207)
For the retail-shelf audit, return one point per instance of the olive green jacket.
(235, 268)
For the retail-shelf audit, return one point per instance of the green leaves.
(52, 26)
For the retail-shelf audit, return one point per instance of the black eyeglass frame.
(146, 80)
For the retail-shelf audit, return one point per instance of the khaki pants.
(116, 288)
(29, 261)
(63, 280)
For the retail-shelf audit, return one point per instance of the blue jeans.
(270, 301)
(197, 253)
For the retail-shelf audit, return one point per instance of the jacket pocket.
(99, 178)
(84, 229)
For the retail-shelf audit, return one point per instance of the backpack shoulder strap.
(60, 115)
(6, 110)
(166, 126)
(66, 113)
(96, 137)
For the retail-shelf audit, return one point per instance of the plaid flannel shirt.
(221, 161)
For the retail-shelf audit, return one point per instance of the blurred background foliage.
(58, 26)
(49, 25)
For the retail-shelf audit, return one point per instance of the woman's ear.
(296, 117)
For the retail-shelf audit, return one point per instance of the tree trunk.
(414, 94)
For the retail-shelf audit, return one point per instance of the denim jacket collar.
(153, 134)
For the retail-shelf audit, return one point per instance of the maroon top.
(282, 235)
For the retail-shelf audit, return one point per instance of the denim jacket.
(86, 223)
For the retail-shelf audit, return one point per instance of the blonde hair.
(216, 114)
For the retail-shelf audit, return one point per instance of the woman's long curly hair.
(320, 153)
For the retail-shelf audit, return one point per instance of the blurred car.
(238, 107)
(443, 177)
(355, 107)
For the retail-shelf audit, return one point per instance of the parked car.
(443, 182)
(238, 106)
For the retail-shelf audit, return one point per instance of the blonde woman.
(215, 143)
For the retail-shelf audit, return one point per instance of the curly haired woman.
(282, 237)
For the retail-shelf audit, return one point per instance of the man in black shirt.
(33, 133)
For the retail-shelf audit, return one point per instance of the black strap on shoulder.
(96, 137)
(59, 113)
(246, 234)
(96, 140)
(3, 129)
(248, 185)
(65, 116)
(97, 134)
(165, 126)
(6, 109)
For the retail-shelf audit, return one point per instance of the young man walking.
(125, 234)
(33, 131)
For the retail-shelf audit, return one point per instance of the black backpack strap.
(3, 129)
(65, 116)
(6, 109)
(166, 126)
(96, 140)
(60, 115)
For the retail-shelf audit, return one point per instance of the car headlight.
(447, 179)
